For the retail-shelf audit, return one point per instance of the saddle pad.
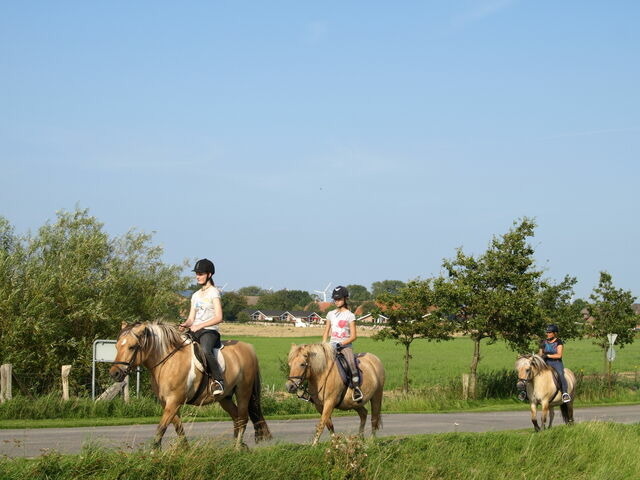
(219, 357)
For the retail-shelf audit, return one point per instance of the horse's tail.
(255, 410)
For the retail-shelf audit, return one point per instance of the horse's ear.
(123, 325)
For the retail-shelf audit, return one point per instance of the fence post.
(465, 386)
(65, 381)
(125, 389)
(6, 372)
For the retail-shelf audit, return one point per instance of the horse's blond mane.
(318, 355)
(536, 362)
(161, 337)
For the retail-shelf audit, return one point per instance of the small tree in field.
(610, 309)
(409, 313)
(500, 294)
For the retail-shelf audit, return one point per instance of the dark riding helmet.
(204, 266)
(339, 292)
(552, 328)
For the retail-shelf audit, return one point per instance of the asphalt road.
(35, 442)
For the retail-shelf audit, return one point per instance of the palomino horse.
(537, 378)
(315, 364)
(177, 377)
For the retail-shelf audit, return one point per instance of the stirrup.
(566, 398)
(357, 394)
(216, 388)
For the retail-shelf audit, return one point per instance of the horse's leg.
(171, 407)
(325, 418)
(552, 414)
(376, 407)
(242, 399)
(545, 413)
(534, 417)
(329, 424)
(362, 412)
(177, 424)
(228, 406)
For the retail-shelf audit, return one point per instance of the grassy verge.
(580, 452)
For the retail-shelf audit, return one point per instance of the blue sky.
(301, 143)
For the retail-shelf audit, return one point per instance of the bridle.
(299, 381)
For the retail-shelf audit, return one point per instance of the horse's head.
(130, 350)
(298, 367)
(528, 366)
(523, 368)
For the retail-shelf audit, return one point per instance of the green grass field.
(433, 363)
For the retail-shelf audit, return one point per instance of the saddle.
(343, 367)
(201, 360)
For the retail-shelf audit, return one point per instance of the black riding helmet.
(339, 292)
(552, 328)
(204, 266)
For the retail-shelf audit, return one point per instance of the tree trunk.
(473, 370)
(407, 356)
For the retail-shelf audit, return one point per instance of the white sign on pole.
(104, 350)
(611, 354)
(612, 338)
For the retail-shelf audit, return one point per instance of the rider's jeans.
(558, 366)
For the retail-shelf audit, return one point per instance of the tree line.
(70, 283)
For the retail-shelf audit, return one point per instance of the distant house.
(294, 316)
(374, 320)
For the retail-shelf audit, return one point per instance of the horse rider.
(551, 349)
(204, 317)
(341, 330)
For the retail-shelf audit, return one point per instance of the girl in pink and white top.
(340, 330)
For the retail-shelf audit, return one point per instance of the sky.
(301, 143)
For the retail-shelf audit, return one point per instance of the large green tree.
(409, 313)
(358, 293)
(232, 304)
(611, 312)
(252, 291)
(285, 300)
(501, 294)
(386, 286)
(70, 284)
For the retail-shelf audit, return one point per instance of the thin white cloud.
(481, 11)
(593, 132)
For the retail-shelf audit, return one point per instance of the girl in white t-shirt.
(340, 330)
(204, 317)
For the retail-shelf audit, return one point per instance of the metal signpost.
(105, 351)
(611, 354)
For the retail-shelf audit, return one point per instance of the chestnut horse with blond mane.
(537, 379)
(314, 370)
(178, 378)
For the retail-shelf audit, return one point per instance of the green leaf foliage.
(611, 312)
(70, 284)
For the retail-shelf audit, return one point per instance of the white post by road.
(6, 371)
(65, 381)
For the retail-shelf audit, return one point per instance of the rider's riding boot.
(566, 398)
(357, 393)
(217, 386)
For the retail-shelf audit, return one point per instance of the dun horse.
(537, 378)
(315, 365)
(177, 377)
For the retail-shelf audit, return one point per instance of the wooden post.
(111, 392)
(125, 389)
(6, 372)
(65, 381)
(465, 386)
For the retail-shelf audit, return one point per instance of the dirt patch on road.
(229, 329)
